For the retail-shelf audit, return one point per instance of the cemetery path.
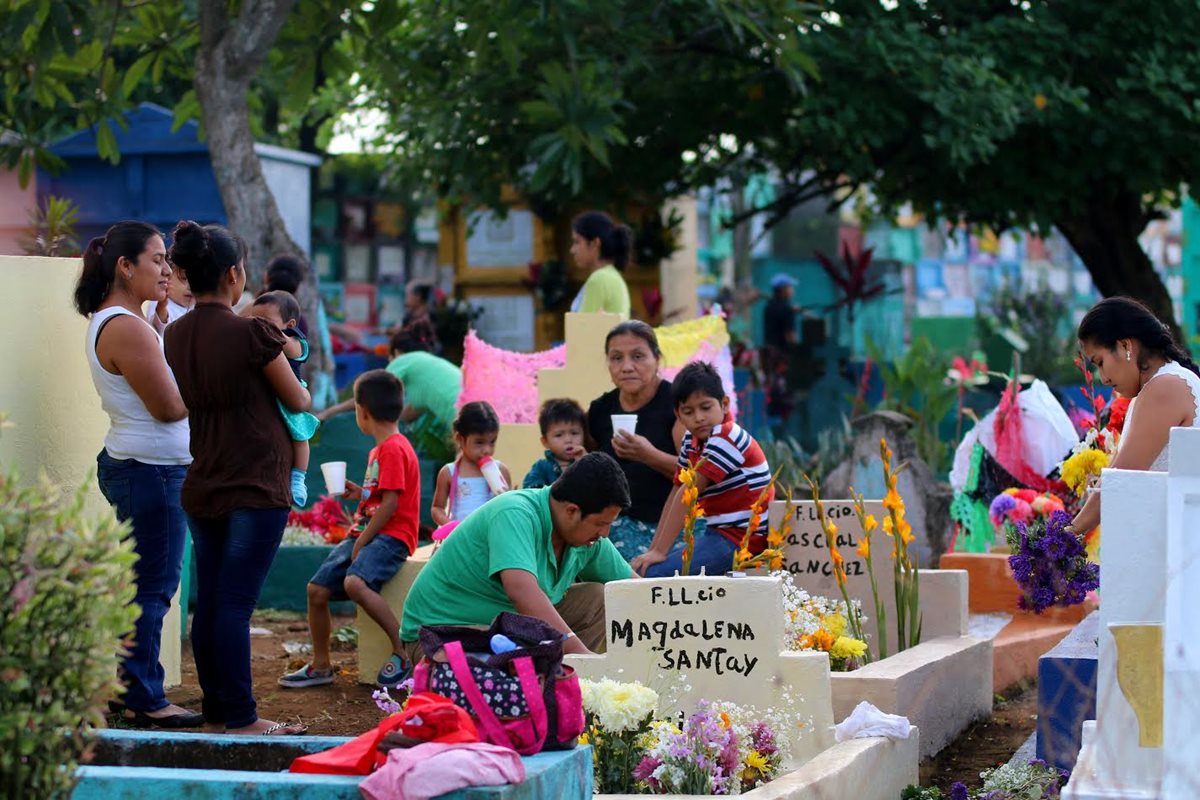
(343, 708)
(988, 743)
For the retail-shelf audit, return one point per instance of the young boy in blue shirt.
(562, 422)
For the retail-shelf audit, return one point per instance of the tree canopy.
(576, 102)
(1071, 113)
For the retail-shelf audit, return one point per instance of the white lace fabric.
(1193, 381)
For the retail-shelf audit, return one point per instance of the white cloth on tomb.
(1047, 434)
(1193, 381)
(866, 720)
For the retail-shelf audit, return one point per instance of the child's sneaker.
(306, 676)
(393, 672)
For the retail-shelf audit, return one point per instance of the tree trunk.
(1105, 236)
(231, 53)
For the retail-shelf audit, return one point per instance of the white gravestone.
(723, 638)
(1142, 743)
(1181, 640)
(806, 555)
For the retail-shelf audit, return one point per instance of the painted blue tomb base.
(119, 770)
(1067, 693)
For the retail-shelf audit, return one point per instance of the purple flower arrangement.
(1050, 563)
(711, 753)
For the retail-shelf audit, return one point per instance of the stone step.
(1017, 648)
(131, 765)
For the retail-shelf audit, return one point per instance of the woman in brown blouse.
(230, 370)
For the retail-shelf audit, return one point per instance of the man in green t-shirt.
(540, 552)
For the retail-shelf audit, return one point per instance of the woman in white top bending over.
(146, 453)
(1136, 354)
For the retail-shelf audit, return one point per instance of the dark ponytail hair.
(123, 240)
(1117, 318)
(476, 418)
(616, 241)
(204, 253)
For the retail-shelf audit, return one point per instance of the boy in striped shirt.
(732, 471)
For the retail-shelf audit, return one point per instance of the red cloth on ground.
(426, 716)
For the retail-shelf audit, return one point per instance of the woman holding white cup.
(635, 423)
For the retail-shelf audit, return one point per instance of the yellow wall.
(47, 392)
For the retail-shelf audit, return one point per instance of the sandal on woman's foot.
(286, 729)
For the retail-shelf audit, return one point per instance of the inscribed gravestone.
(723, 638)
(806, 555)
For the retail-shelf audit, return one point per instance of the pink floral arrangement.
(1022, 506)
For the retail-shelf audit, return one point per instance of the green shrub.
(66, 586)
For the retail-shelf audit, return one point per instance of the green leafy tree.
(1071, 113)
(579, 102)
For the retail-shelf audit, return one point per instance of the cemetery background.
(366, 243)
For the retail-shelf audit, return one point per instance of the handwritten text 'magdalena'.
(717, 658)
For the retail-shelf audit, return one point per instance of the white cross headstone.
(721, 638)
(807, 557)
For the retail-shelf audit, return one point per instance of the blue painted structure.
(563, 775)
(1067, 693)
(165, 176)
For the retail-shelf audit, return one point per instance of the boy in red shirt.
(382, 536)
(731, 472)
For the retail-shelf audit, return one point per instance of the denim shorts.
(377, 562)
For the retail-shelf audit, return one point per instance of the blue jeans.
(712, 551)
(233, 554)
(147, 496)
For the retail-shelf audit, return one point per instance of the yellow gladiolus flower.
(870, 523)
(892, 501)
(887, 526)
(864, 548)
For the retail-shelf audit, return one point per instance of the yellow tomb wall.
(47, 393)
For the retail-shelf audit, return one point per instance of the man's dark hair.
(698, 376)
(381, 393)
(561, 410)
(283, 302)
(594, 483)
(286, 273)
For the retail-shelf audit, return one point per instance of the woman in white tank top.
(1136, 354)
(145, 455)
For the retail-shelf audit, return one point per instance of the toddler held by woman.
(282, 310)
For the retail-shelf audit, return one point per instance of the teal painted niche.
(121, 770)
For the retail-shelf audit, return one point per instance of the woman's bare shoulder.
(1167, 394)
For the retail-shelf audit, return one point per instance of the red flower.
(1116, 413)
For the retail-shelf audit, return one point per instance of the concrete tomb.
(1142, 743)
